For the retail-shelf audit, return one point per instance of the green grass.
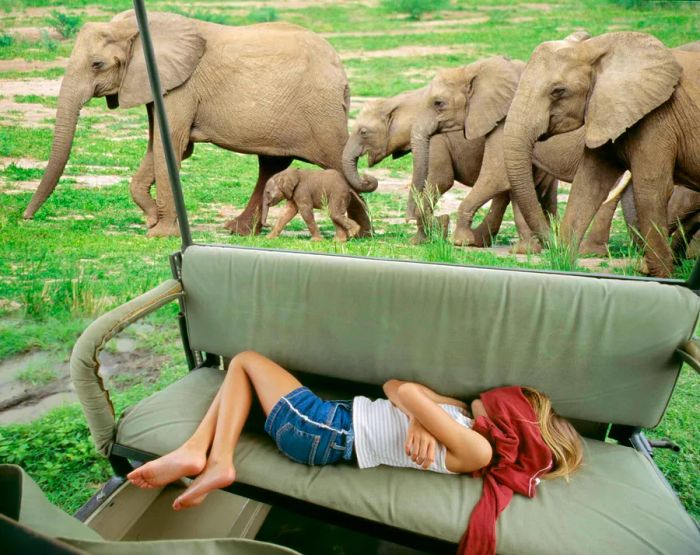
(37, 375)
(86, 251)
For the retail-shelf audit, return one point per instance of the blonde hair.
(559, 435)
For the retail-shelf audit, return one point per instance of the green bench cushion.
(602, 349)
(616, 504)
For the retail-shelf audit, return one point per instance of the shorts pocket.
(298, 445)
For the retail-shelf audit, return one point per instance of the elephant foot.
(531, 246)
(464, 237)
(164, 228)
(340, 238)
(151, 218)
(593, 249)
(316, 238)
(419, 238)
(243, 226)
(363, 233)
(354, 231)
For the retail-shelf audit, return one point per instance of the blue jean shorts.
(310, 430)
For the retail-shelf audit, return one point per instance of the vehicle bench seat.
(606, 352)
(616, 504)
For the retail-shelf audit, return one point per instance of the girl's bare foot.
(184, 461)
(215, 476)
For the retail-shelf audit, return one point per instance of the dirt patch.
(23, 65)
(27, 13)
(21, 114)
(81, 182)
(393, 32)
(21, 163)
(20, 401)
(282, 4)
(38, 86)
(401, 52)
(35, 34)
(430, 25)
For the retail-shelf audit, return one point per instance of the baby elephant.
(306, 190)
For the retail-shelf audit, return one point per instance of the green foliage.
(263, 15)
(211, 17)
(6, 40)
(47, 42)
(58, 453)
(414, 8)
(37, 375)
(66, 24)
(17, 173)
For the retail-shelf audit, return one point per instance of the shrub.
(263, 15)
(415, 8)
(6, 40)
(67, 25)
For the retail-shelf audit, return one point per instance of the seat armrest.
(85, 364)
(690, 353)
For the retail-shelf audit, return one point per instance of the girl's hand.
(420, 444)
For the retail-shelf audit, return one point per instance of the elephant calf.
(306, 190)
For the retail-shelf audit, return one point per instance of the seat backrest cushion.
(602, 349)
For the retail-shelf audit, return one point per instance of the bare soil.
(38, 86)
(120, 367)
(19, 64)
(402, 52)
(35, 34)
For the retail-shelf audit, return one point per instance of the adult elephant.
(653, 129)
(274, 89)
(474, 100)
(383, 128)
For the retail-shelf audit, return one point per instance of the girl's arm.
(467, 450)
(391, 391)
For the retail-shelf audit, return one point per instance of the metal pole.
(154, 78)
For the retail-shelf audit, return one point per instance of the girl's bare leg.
(187, 460)
(271, 382)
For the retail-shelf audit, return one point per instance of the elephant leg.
(180, 116)
(426, 224)
(487, 230)
(307, 213)
(249, 221)
(344, 225)
(141, 183)
(596, 242)
(629, 211)
(140, 189)
(595, 178)
(479, 195)
(653, 185)
(357, 211)
(527, 240)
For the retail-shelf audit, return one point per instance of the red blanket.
(520, 455)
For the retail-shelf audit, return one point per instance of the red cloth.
(520, 455)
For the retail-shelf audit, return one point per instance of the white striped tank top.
(380, 430)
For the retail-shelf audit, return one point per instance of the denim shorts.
(310, 430)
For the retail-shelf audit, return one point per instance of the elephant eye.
(97, 65)
(363, 131)
(558, 91)
(439, 104)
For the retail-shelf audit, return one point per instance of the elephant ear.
(578, 36)
(177, 45)
(634, 73)
(491, 86)
(288, 182)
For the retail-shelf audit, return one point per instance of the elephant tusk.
(620, 187)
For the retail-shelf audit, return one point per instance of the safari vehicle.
(607, 349)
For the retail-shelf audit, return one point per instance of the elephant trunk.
(265, 208)
(519, 140)
(351, 154)
(71, 99)
(420, 146)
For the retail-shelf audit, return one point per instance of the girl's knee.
(243, 358)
